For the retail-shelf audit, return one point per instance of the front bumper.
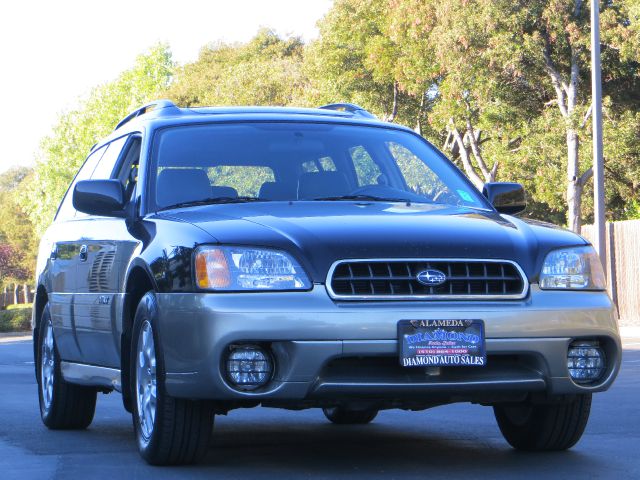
(331, 351)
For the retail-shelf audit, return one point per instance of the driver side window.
(127, 172)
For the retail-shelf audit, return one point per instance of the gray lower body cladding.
(328, 352)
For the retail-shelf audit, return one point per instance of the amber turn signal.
(212, 269)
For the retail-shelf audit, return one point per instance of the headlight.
(245, 268)
(573, 268)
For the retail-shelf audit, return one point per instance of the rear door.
(63, 234)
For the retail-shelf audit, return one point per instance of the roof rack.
(156, 105)
(350, 108)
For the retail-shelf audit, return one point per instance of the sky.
(54, 52)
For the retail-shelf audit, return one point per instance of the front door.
(105, 249)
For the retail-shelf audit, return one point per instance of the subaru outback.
(208, 259)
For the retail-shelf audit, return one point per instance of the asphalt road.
(445, 442)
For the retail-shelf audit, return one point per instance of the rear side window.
(66, 210)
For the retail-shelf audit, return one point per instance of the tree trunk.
(418, 128)
(466, 161)
(574, 186)
(16, 291)
(394, 108)
(25, 289)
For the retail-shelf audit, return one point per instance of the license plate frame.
(442, 343)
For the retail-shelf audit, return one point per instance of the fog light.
(248, 366)
(585, 361)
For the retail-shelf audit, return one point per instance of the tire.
(63, 406)
(547, 427)
(345, 416)
(170, 431)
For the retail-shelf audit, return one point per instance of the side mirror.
(506, 197)
(99, 197)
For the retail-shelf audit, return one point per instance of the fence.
(622, 267)
(16, 294)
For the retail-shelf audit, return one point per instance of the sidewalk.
(630, 332)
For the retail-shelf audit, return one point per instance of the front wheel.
(555, 426)
(346, 416)
(63, 406)
(169, 431)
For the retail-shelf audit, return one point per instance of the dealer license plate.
(427, 343)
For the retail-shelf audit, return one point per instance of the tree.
(547, 43)
(514, 77)
(447, 56)
(63, 152)
(264, 71)
(10, 268)
(355, 60)
(16, 230)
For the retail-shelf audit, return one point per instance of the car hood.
(320, 233)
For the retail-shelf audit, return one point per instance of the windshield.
(227, 163)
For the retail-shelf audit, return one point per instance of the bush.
(16, 319)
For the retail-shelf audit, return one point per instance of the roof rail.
(155, 105)
(348, 107)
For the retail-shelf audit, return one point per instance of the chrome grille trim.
(450, 297)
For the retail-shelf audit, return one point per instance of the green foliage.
(561, 28)
(632, 210)
(355, 60)
(265, 71)
(15, 319)
(78, 130)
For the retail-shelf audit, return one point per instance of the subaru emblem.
(432, 278)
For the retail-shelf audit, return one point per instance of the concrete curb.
(9, 337)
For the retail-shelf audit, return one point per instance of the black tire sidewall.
(147, 310)
(343, 416)
(550, 427)
(57, 375)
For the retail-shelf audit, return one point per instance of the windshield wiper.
(214, 200)
(372, 198)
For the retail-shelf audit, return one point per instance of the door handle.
(83, 253)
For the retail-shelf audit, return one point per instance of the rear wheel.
(63, 406)
(346, 416)
(556, 426)
(169, 431)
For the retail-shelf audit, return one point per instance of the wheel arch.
(41, 300)
(139, 281)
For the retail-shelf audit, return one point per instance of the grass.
(16, 318)
(19, 306)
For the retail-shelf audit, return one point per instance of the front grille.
(398, 279)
